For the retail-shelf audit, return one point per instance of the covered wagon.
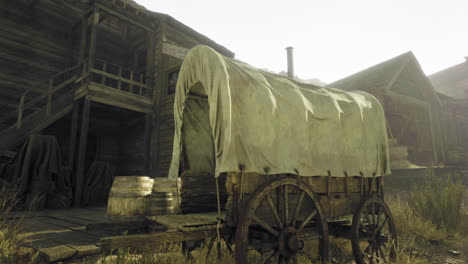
(291, 164)
(296, 159)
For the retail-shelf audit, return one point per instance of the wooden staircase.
(34, 110)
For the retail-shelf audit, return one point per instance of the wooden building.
(412, 107)
(452, 81)
(99, 75)
(452, 86)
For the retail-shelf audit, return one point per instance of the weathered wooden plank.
(190, 222)
(30, 51)
(119, 98)
(51, 254)
(74, 236)
(32, 63)
(134, 241)
(19, 34)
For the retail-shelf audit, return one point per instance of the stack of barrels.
(136, 198)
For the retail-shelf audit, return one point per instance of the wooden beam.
(112, 96)
(157, 98)
(123, 17)
(80, 169)
(83, 38)
(149, 82)
(92, 39)
(135, 241)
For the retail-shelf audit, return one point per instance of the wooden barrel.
(127, 199)
(160, 203)
(167, 185)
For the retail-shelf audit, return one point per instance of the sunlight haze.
(331, 39)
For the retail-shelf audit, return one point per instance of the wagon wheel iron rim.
(289, 226)
(374, 238)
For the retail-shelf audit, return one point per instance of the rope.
(218, 235)
(177, 195)
(242, 186)
(388, 128)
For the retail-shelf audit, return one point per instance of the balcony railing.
(120, 78)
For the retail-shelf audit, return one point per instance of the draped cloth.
(228, 113)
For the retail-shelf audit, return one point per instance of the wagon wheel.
(291, 218)
(374, 238)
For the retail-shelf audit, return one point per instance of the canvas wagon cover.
(263, 120)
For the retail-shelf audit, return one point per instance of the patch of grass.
(9, 230)
(440, 201)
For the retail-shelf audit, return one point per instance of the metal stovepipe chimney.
(289, 51)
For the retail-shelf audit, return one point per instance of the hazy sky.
(331, 38)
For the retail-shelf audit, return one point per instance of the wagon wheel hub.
(289, 242)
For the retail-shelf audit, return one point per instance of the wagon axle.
(289, 242)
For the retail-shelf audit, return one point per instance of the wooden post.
(73, 133)
(19, 120)
(149, 117)
(79, 175)
(157, 98)
(84, 33)
(140, 92)
(92, 39)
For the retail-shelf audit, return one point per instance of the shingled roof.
(381, 75)
(452, 81)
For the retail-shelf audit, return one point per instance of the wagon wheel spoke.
(265, 226)
(286, 205)
(363, 226)
(268, 259)
(297, 209)
(307, 220)
(373, 214)
(368, 248)
(383, 257)
(379, 214)
(366, 215)
(379, 228)
(294, 260)
(273, 210)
